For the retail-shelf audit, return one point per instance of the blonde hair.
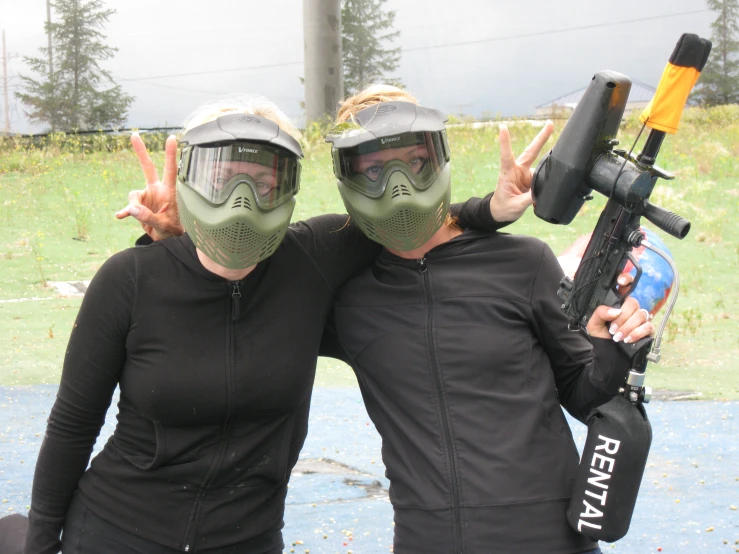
(249, 104)
(369, 96)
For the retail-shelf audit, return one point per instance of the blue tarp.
(687, 504)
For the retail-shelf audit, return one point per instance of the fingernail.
(618, 336)
(628, 339)
(614, 312)
(135, 134)
(133, 210)
(622, 280)
(613, 329)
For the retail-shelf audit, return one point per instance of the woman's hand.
(155, 207)
(630, 323)
(513, 193)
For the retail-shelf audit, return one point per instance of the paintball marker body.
(582, 161)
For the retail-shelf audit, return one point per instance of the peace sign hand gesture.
(513, 193)
(155, 207)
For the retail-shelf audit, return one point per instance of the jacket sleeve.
(92, 366)
(475, 214)
(330, 345)
(337, 247)
(588, 371)
(144, 240)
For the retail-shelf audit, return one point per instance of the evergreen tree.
(719, 80)
(77, 93)
(366, 30)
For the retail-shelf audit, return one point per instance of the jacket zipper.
(235, 311)
(235, 300)
(447, 427)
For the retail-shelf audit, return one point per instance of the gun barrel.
(669, 222)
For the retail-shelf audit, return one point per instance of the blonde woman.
(462, 353)
(212, 338)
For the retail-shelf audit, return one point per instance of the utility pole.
(48, 22)
(324, 79)
(51, 59)
(5, 87)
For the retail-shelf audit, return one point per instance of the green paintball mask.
(236, 186)
(393, 171)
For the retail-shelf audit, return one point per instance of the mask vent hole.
(241, 202)
(400, 190)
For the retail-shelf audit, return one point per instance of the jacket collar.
(183, 249)
(447, 249)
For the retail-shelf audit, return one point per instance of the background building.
(639, 97)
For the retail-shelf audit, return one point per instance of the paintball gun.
(584, 160)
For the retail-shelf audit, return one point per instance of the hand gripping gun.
(582, 161)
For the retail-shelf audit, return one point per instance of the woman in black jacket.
(461, 350)
(212, 338)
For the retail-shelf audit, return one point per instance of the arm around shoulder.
(477, 215)
(337, 247)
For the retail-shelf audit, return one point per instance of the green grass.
(57, 224)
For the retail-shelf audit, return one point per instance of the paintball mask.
(236, 186)
(393, 171)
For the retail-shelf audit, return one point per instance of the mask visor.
(367, 167)
(214, 171)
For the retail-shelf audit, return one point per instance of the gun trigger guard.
(638, 268)
(614, 298)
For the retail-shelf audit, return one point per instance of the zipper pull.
(236, 299)
(422, 267)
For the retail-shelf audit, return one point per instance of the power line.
(180, 89)
(195, 73)
(207, 92)
(418, 48)
(552, 32)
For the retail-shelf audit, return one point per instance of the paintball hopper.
(562, 182)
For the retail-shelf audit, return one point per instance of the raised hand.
(155, 206)
(513, 193)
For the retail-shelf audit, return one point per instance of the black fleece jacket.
(215, 382)
(463, 359)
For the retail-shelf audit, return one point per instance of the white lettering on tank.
(598, 479)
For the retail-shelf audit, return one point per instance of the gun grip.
(637, 352)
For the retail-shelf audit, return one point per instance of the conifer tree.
(719, 80)
(77, 93)
(366, 31)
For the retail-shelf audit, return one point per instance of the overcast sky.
(542, 49)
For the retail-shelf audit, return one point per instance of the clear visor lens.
(367, 167)
(214, 172)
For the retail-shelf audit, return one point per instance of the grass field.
(57, 224)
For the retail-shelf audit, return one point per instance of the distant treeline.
(86, 141)
(155, 138)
